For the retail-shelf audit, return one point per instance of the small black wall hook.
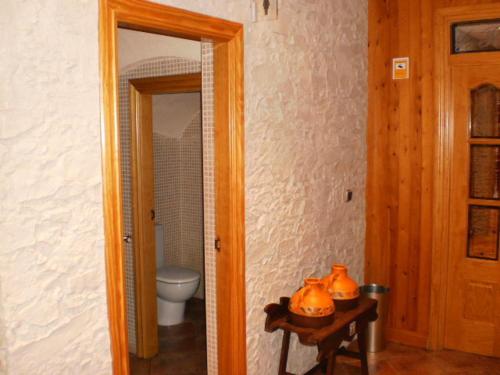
(266, 4)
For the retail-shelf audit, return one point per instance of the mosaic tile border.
(207, 99)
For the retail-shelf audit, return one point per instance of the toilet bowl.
(174, 286)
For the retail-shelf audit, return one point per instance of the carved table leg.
(323, 365)
(362, 350)
(330, 370)
(285, 344)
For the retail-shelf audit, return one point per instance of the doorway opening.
(225, 39)
(167, 328)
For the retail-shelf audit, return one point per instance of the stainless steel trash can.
(376, 330)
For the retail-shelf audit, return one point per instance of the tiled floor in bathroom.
(183, 348)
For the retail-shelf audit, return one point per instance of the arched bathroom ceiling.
(173, 113)
(136, 45)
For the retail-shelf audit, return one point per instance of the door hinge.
(217, 244)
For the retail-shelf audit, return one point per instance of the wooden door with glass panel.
(473, 285)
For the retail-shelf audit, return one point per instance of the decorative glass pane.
(476, 36)
(485, 172)
(485, 111)
(483, 232)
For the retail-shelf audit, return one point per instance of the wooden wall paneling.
(427, 126)
(377, 210)
(393, 169)
(408, 165)
(402, 167)
(415, 153)
(402, 138)
(402, 121)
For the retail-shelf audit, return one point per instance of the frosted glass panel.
(485, 111)
(477, 36)
(485, 172)
(483, 232)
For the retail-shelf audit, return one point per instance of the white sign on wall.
(401, 68)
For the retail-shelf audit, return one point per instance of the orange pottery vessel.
(343, 289)
(311, 306)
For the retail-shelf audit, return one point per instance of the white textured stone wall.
(305, 99)
(305, 102)
(53, 298)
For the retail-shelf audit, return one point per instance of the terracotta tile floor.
(183, 348)
(398, 359)
(183, 352)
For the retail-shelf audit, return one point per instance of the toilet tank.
(160, 257)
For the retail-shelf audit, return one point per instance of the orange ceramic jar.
(343, 289)
(312, 306)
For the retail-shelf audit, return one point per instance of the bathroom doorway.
(227, 80)
(169, 223)
(168, 192)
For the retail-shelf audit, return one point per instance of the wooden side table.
(328, 338)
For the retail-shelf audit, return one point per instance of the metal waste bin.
(375, 340)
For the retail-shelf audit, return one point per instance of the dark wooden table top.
(278, 318)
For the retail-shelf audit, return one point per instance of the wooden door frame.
(141, 91)
(227, 36)
(443, 153)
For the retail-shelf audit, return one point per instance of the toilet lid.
(173, 274)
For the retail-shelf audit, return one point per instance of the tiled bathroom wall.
(179, 197)
(167, 177)
(168, 66)
(192, 200)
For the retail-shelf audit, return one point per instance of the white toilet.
(174, 286)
